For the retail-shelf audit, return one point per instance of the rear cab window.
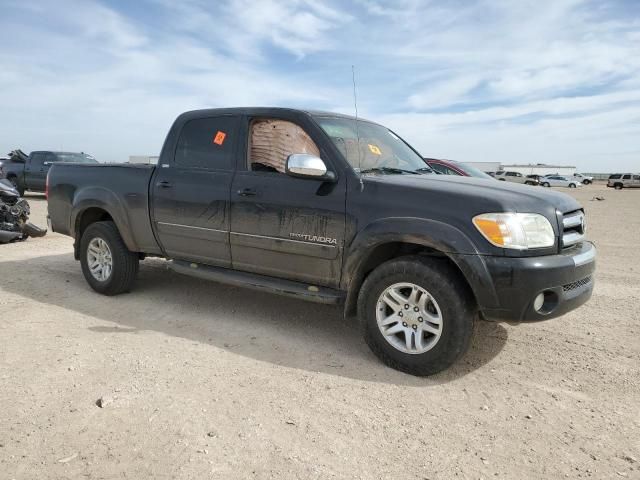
(208, 143)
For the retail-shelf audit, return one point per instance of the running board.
(255, 281)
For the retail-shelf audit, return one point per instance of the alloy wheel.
(409, 318)
(99, 259)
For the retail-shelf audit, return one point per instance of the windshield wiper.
(425, 170)
(388, 170)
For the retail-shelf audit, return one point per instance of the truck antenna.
(355, 106)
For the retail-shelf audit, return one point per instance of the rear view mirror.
(303, 165)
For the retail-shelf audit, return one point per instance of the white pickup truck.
(583, 179)
(515, 177)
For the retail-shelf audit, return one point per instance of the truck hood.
(484, 194)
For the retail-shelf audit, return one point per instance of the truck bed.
(120, 189)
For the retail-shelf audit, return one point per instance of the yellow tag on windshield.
(374, 149)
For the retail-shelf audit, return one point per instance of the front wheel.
(572, 185)
(546, 184)
(586, 182)
(618, 186)
(108, 266)
(417, 314)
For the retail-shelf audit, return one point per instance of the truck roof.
(59, 152)
(264, 111)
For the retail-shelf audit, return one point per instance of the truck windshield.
(372, 148)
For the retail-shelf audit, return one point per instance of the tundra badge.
(314, 238)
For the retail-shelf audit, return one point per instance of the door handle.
(164, 184)
(247, 192)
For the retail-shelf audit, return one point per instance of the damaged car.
(14, 216)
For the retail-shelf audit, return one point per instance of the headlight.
(520, 231)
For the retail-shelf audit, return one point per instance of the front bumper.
(566, 280)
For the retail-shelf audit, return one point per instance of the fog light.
(538, 302)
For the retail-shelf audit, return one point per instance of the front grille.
(577, 284)
(573, 228)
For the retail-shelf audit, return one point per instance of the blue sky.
(520, 81)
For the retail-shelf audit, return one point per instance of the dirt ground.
(202, 380)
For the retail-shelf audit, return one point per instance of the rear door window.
(37, 159)
(208, 143)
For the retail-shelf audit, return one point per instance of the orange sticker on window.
(219, 138)
(374, 149)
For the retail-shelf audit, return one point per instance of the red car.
(451, 167)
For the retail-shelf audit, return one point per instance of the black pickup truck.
(332, 209)
(30, 172)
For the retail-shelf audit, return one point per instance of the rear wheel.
(417, 314)
(546, 184)
(108, 266)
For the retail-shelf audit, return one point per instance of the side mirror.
(303, 165)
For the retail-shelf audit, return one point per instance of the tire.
(572, 185)
(586, 182)
(528, 183)
(124, 264)
(502, 179)
(618, 186)
(453, 300)
(546, 184)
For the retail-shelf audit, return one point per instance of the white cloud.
(469, 80)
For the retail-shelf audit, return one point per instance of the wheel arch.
(395, 238)
(95, 204)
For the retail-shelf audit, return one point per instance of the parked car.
(451, 167)
(30, 172)
(624, 180)
(583, 179)
(559, 181)
(515, 177)
(332, 209)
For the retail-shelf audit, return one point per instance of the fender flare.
(441, 237)
(104, 199)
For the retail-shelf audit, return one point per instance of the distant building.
(143, 159)
(485, 166)
(540, 169)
